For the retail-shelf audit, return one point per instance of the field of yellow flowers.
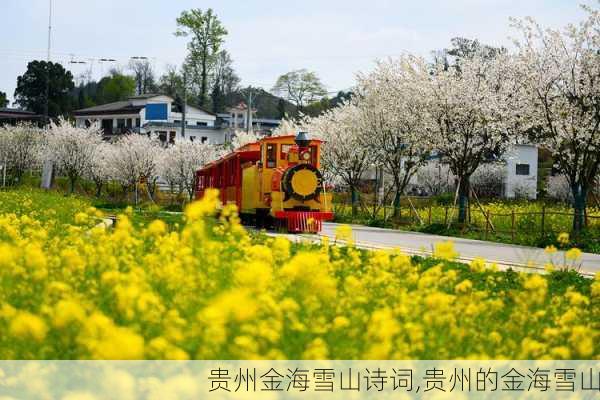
(208, 290)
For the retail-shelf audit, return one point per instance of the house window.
(203, 139)
(522, 169)
(271, 155)
(199, 123)
(107, 126)
(137, 122)
(177, 121)
(172, 135)
(129, 123)
(120, 123)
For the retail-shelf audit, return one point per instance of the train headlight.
(305, 156)
(302, 182)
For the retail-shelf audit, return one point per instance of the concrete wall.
(517, 182)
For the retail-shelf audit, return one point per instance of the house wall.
(81, 120)
(210, 136)
(193, 116)
(518, 183)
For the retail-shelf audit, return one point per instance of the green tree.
(207, 37)
(143, 75)
(171, 82)
(224, 81)
(115, 87)
(281, 112)
(3, 100)
(300, 87)
(31, 88)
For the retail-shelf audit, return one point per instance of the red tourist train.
(274, 181)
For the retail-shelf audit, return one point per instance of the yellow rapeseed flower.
(563, 238)
(573, 254)
(464, 287)
(445, 250)
(28, 326)
(207, 206)
(67, 312)
(156, 228)
(550, 249)
(343, 232)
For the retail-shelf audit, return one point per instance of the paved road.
(525, 258)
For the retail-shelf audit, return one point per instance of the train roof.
(283, 138)
(248, 152)
(251, 151)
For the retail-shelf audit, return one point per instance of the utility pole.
(49, 28)
(47, 94)
(249, 98)
(184, 105)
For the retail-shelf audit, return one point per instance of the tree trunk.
(397, 198)
(98, 189)
(463, 198)
(354, 194)
(204, 78)
(579, 205)
(72, 185)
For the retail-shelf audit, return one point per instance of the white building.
(239, 118)
(520, 179)
(521, 171)
(154, 115)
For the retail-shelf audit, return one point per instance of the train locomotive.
(275, 181)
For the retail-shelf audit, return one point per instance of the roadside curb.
(502, 265)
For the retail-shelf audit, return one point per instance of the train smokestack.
(302, 139)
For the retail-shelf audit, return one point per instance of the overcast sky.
(335, 38)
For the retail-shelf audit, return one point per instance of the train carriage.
(275, 180)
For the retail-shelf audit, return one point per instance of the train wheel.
(263, 219)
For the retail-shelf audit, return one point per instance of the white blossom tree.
(344, 154)
(72, 149)
(135, 158)
(181, 161)
(242, 138)
(466, 113)
(435, 178)
(391, 113)
(100, 170)
(20, 148)
(286, 127)
(559, 102)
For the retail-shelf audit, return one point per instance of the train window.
(285, 149)
(271, 155)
